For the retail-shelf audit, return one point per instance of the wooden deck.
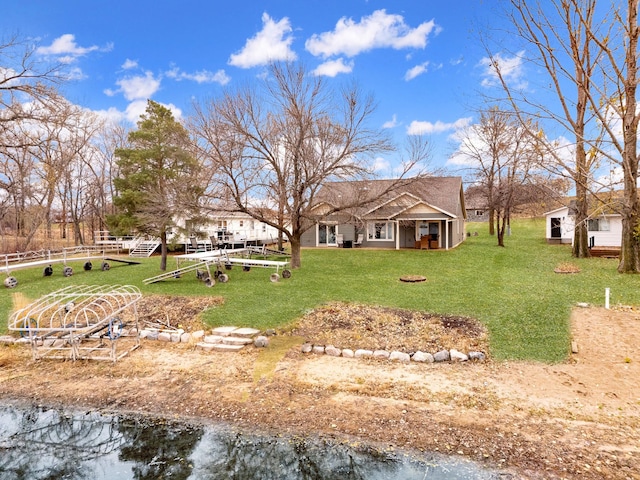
(605, 252)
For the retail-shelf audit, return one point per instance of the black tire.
(274, 277)
(87, 266)
(10, 282)
(246, 268)
(209, 282)
(48, 271)
(286, 273)
(223, 278)
(227, 266)
(67, 271)
(105, 266)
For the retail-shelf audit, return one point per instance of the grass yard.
(513, 291)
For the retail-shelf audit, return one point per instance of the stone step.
(218, 347)
(235, 331)
(236, 340)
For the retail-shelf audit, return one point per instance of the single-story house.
(604, 226)
(476, 204)
(424, 213)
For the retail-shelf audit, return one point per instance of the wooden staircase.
(144, 248)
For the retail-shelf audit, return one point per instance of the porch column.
(446, 234)
(397, 229)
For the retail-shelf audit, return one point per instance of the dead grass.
(375, 328)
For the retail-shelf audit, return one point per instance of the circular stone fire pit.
(413, 278)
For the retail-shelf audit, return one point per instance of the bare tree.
(23, 80)
(615, 104)
(502, 159)
(270, 148)
(561, 35)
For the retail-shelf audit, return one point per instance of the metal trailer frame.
(76, 254)
(80, 322)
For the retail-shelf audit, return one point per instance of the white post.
(607, 292)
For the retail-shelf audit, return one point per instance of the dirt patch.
(579, 419)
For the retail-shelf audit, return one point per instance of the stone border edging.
(451, 355)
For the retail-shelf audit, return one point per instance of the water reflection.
(52, 444)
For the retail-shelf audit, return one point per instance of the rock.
(270, 333)
(236, 340)
(22, 341)
(441, 356)
(381, 354)
(332, 351)
(175, 337)
(185, 337)
(319, 349)
(223, 331)
(197, 335)
(306, 348)
(582, 304)
(360, 353)
(422, 357)
(164, 337)
(347, 353)
(396, 356)
(261, 341)
(245, 332)
(457, 356)
(7, 339)
(477, 356)
(152, 335)
(212, 339)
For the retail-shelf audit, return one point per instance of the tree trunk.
(163, 250)
(580, 247)
(500, 226)
(492, 219)
(630, 252)
(295, 252)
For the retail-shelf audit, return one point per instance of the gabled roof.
(389, 198)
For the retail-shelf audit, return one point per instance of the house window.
(380, 230)
(598, 225)
(241, 223)
(479, 213)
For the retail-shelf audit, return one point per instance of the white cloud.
(416, 71)
(381, 165)
(331, 68)
(272, 43)
(135, 109)
(129, 64)
(421, 128)
(202, 76)
(391, 123)
(511, 69)
(139, 86)
(76, 73)
(378, 30)
(67, 50)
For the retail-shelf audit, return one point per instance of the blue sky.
(422, 60)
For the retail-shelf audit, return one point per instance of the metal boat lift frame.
(80, 322)
(222, 259)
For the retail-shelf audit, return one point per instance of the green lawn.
(512, 290)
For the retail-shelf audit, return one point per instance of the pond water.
(41, 443)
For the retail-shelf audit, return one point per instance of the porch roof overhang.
(407, 212)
